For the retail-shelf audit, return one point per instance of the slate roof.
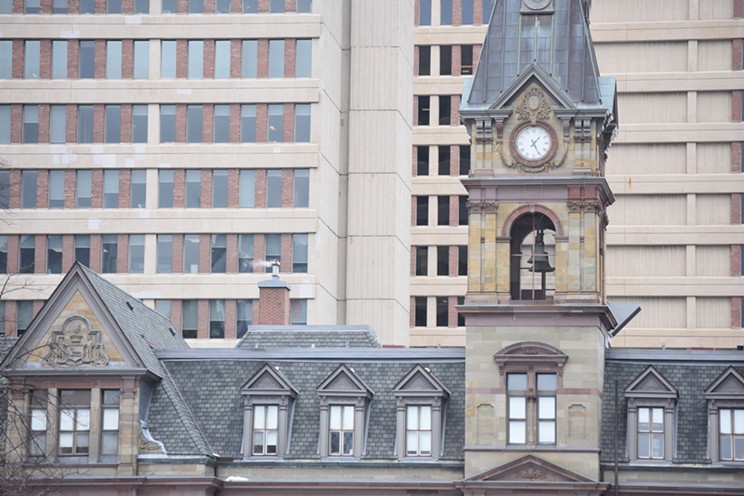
(264, 337)
(689, 372)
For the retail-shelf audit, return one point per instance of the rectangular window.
(250, 6)
(546, 389)
(164, 253)
(423, 110)
(32, 59)
(443, 210)
(54, 255)
(422, 210)
(245, 316)
(112, 124)
(276, 123)
(487, 11)
(302, 123)
(446, 15)
(216, 319)
(193, 189)
(464, 160)
(141, 59)
(341, 430)
(221, 126)
(167, 59)
(422, 160)
(109, 253)
(249, 62)
(3, 266)
(141, 6)
(276, 58)
(110, 421)
(24, 316)
(274, 188)
(113, 6)
(165, 188)
(163, 307)
(462, 210)
(299, 253)
(196, 59)
(87, 60)
(194, 120)
(74, 422)
(6, 59)
(29, 182)
(445, 60)
(6, 6)
(298, 312)
(32, 7)
(58, 124)
(276, 6)
(222, 7)
(425, 13)
(138, 190)
(419, 311)
(442, 311)
(87, 6)
(38, 422)
(304, 6)
(422, 262)
(219, 188)
(467, 12)
(83, 188)
(59, 59)
(111, 189)
(5, 124)
(196, 6)
(466, 60)
(139, 123)
(460, 316)
(167, 123)
(245, 253)
(191, 253)
(304, 58)
(418, 430)
(651, 433)
(443, 155)
(247, 123)
(190, 318)
(56, 189)
(301, 188)
(113, 59)
(85, 124)
(4, 188)
(219, 250)
(273, 248)
(247, 189)
(59, 7)
(462, 260)
(444, 110)
(424, 68)
(442, 260)
(731, 434)
(136, 253)
(265, 430)
(170, 6)
(82, 249)
(30, 123)
(517, 408)
(222, 59)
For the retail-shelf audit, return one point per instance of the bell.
(539, 260)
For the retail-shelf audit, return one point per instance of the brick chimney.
(273, 300)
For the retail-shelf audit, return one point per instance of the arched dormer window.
(531, 251)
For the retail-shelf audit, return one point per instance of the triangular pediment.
(420, 381)
(344, 382)
(529, 469)
(268, 381)
(650, 384)
(730, 384)
(535, 76)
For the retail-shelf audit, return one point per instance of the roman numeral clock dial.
(533, 143)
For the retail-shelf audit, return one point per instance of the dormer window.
(725, 398)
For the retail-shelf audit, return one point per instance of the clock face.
(534, 143)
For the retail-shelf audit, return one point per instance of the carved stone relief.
(76, 344)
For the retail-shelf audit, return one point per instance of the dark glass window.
(27, 254)
(443, 210)
(464, 160)
(466, 60)
(194, 120)
(443, 155)
(301, 196)
(462, 207)
(82, 249)
(4, 188)
(139, 123)
(422, 160)
(112, 124)
(193, 188)
(25, 314)
(424, 68)
(85, 124)
(460, 316)
(419, 316)
(424, 12)
(446, 13)
(165, 253)
(87, 59)
(245, 316)
(221, 123)
(189, 318)
(248, 123)
(109, 253)
(423, 110)
(462, 260)
(111, 189)
(167, 123)
(487, 11)
(56, 189)
(54, 254)
(422, 210)
(245, 253)
(216, 319)
(445, 108)
(274, 188)
(141, 6)
(3, 263)
(442, 311)
(29, 185)
(422, 262)
(467, 12)
(442, 260)
(249, 63)
(113, 6)
(219, 250)
(138, 189)
(445, 60)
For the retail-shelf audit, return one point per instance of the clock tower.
(541, 120)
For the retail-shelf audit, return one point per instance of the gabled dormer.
(725, 398)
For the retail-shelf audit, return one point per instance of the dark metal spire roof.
(559, 43)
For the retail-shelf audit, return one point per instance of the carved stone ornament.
(483, 131)
(533, 106)
(148, 444)
(76, 345)
(584, 205)
(531, 473)
(475, 207)
(535, 4)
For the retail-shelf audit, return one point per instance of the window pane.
(446, 15)
(412, 443)
(425, 418)
(302, 123)
(54, 254)
(113, 59)
(109, 443)
(222, 59)
(219, 246)
(248, 123)
(29, 180)
(517, 382)
(32, 6)
(138, 188)
(273, 248)
(245, 316)
(276, 58)
(467, 11)
(87, 6)
(424, 60)
(6, 7)
(194, 116)
(272, 417)
(66, 420)
(109, 253)
(517, 432)
(163, 307)
(196, 59)
(167, 123)
(85, 124)
(38, 420)
(111, 189)
(546, 407)
(304, 60)
(136, 253)
(335, 448)
(6, 59)
(165, 253)
(56, 189)
(546, 432)
(219, 189)
(247, 193)
(245, 253)
(258, 437)
(335, 417)
(298, 312)
(304, 6)
(110, 419)
(216, 319)
(32, 60)
(445, 102)
(259, 417)
(3, 269)
(87, 60)
(726, 453)
(222, 7)
(139, 123)
(112, 125)
(196, 6)
(82, 249)
(276, 6)
(445, 63)
(299, 253)
(58, 124)
(546, 382)
(425, 13)
(4, 128)
(643, 419)
(141, 59)
(301, 188)
(658, 420)
(59, 59)
(27, 256)
(30, 123)
(738, 421)
(487, 11)
(193, 189)
(113, 6)
(348, 423)
(190, 314)
(423, 111)
(276, 123)
(517, 408)
(274, 188)
(83, 419)
(170, 6)
(141, 6)
(250, 6)
(222, 125)
(167, 59)
(425, 443)
(249, 68)
(165, 188)
(412, 418)
(191, 253)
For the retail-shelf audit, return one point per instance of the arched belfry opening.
(532, 250)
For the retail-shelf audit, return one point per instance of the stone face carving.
(533, 106)
(76, 344)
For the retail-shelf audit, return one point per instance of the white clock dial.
(533, 143)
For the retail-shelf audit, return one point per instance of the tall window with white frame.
(265, 430)
(38, 422)
(516, 385)
(731, 434)
(418, 430)
(651, 433)
(531, 416)
(110, 422)
(74, 422)
(341, 430)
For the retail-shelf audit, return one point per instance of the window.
(139, 123)
(250, 6)
(466, 60)
(219, 249)
(141, 59)
(141, 6)
(164, 253)
(302, 123)
(422, 160)
(5, 125)
(460, 315)
(276, 123)
(87, 60)
(298, 312)
(419, 311)
(467, 12)
(487, 11)
(422, 210)
(111, 189)
(6, 59)
(249, 61)
(4, 188)
(273, 248)
(24, 315)
(445, 60)
(167, 123)
(109, 253)
(442, 260)
(245, 253)
(87, 6)
(342, 415)
(446, 15)
(274, 188)
(462, 210)
(82, 249)
(190, 318)
(444, 110)
(304, 58)
(58, 124)
(651, 403)
(265, 430)
(517, 408)
(59, 7)
(462, 260)
(219, 188)
(170, 6)
(29, 180)
(85, 124)
(163, 307)
(651, 433)
(442, 311)
(113, 59)
(138, 189)
(30, 123)
(424, 68)
(83, 188)
(301, 188)
(222, 59)
(54, 255)
(731, 434)
(59, 59)
(193, 189)
(112, 124)
(38, 425)
(216, 319)
(196, 6)
(32, 7)
(74, 422)
(276, 6)
(222, 7)
(247, 123)
(443, 210)
(32, 59)
(191, 253)
(421, 254)
(425, 13)
(136, 253)
(195, 66)
(245, 316)
(423, 110)
(221, 126)
(27, 254)
(299, 253)
(6, 7)
(443, 155)
(341, 430)
(113, 6)
(726, 417)
(464, 160)
(247, 189)
(165, 188)
(168, 59)
(110, 421)
(418, 431)
(194, 118)
(56, 189)
(3, 264)
(304, 6)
